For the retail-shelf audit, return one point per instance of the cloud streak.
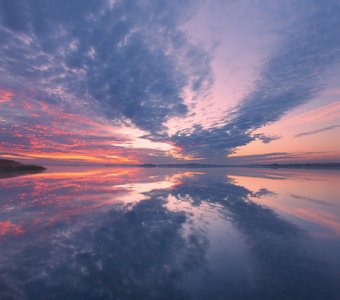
(302, 134)
(292, 75)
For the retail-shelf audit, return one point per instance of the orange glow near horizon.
(52, 134)
(321, 146)
(45, 132)
(80, 157)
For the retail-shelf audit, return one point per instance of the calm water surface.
(77, 233)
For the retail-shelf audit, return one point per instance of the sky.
(157, 81)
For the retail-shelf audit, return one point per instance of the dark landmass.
(191, 166)
(272, 166)
(11, 168)
(299, 166)
(147, 166)
(15, 166)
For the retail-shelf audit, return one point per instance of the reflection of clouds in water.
(283, 266)
(140, 251)
(128, 252)
(263, 192)
(316, 201)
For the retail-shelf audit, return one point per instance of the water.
(80, 233)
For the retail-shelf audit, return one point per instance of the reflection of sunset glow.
(70, 174)
(177, 178)
(67, 192)
(323, 213)
(326, 219)
(61, 193)
(103, 206)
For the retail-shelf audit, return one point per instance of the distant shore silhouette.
(12, 168)
(273, 165)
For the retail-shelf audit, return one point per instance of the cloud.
(279, 157)
(275, 245)
(316, 131)
(264, 192)
(291, 76)
(266, 139)
(127, 60)
(130, 62)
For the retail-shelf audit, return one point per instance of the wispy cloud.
(279, 157)
(266, 139)
(317, 131)
(292, 75)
